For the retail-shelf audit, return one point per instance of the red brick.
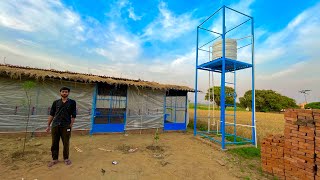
(305, 113)
(309, 151)
(291, 126)
(316, 110)
(311, 124)
(311, 134)
(306, 129)
(298, 139)
(290, 114)
(301, 118)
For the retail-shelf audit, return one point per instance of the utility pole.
(305, 92)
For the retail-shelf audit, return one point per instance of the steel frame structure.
(225, 65)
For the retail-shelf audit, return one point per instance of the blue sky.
(155, 40)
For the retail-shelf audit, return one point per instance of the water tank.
(231, 49)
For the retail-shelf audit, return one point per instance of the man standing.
(62, 116)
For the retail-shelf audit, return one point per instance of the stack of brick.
(299, 144)
(272, 155)
(316, 117)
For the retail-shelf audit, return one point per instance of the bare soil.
(175, 156)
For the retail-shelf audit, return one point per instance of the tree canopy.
(229, 94)
(267, 100)
(313, 105)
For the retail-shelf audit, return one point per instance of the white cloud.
(299, 38)
(115, 8)
(28, 43)
(292, 69)
(132, 15)
(119, 45)
(16, 55)
(51, 23)
(185, 59)
(38, 16)
(296, 50)
(121, 49)
(168, 26)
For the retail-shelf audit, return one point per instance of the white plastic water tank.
(231, 49)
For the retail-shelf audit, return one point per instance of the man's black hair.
(65, 88)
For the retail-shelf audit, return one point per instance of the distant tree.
(313, 105)
(229, 92)
(267, 100)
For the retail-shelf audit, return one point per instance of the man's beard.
(64, 96)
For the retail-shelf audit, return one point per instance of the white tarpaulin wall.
(13, 109)
(145, 108)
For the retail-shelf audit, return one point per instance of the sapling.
(156, 136)
(27, 87)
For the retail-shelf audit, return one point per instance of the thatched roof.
(17, 72)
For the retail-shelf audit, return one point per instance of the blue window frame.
(110, 108)
(175, 110)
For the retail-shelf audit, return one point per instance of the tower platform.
(231, 65)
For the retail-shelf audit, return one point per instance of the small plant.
(156, 136)
(27, 87)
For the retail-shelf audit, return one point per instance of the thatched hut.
(104, 104)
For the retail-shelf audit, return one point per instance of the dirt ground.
(178, 156)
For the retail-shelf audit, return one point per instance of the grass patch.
(246, 152)
(206, 107)
(252, 166)
(199, 106)
(238, 139)
(201, 126)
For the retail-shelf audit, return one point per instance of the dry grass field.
(267, 123)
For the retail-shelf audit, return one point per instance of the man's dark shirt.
(62, 112)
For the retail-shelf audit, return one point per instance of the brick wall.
(272, 155)
(316, 117)
(297, 150)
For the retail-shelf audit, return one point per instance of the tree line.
(266, 100)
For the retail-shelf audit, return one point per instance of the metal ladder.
(234, 105)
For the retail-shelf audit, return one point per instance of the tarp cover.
(145, 108)
(13, 104)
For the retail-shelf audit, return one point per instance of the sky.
(156, 40)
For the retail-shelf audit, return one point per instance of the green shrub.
(313, 105)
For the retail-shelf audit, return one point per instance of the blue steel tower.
(225, 65)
